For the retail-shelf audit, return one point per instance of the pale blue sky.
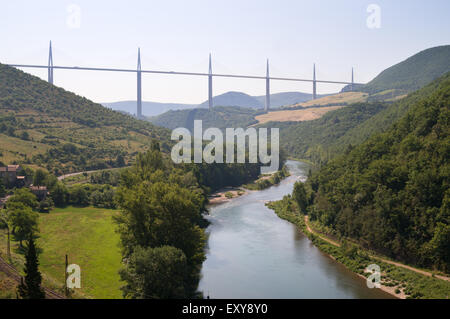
(240, 34)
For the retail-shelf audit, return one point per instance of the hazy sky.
(240, 34)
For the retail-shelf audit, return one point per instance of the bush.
(46, 205)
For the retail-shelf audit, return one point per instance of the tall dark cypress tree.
(31, 287)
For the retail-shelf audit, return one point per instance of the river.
(252, 253)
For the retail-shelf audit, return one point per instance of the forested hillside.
(337, 131)
(45, 125)
(391, 193)
(413, 73)
(219, 116)
(313, 139)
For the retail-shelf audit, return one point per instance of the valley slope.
(48, 126)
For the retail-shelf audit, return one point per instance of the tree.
(31, 287)
(23, 221)
(155, 273)
(23, 196)
(59, 194)
(161, 206)
(45, 205)
(79, 196)
(25, 136)
(299, 195)
(2, 189)
(5, 222)
(120, 161)
(39, 177)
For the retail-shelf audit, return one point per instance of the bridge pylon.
(210, 94)
(139, 86)
(352, 85)
(267, 105)
(314, 82)
(50, 64)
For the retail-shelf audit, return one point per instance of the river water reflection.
(252, 253)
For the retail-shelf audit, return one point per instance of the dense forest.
(391, 193)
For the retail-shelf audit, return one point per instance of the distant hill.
(234, 99)
(50, 127)
(286, 98)
(321, 139)
(413, 73)
(227, 99)
(219, 116)
(244, 100)
(148, 108)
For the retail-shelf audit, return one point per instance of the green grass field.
(88, 236)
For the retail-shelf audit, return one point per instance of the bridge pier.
(210, 94)
(351, 87)
(267, 105)
(139, 86)
(50, 64)
(314, 82)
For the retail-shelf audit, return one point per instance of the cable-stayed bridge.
(210, 76)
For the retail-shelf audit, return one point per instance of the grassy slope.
(53, 117)
(8, 287)
(413, 73)
(88, 236)
(299, 115)
(337, 99)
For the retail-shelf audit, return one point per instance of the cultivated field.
(346, 97)
(295, 115)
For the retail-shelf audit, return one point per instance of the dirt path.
(60, 178)
(318, 234)
(387, 261)
(11, 272)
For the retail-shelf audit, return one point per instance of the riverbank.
(269, 180)
(400, 282)
(228, 193)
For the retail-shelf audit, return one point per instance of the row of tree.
(20, 220)
(160, 228)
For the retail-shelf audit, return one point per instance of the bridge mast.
(314, 82)
(139, 86)
(210, 95)
(352, 80)
(267, 105)
(50, 64)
